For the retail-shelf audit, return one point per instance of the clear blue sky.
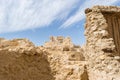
(37, 20)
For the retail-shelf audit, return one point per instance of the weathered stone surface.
(59, 43)
(66, 64)
(102, 32)
(21, 60)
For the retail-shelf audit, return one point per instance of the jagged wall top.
(109, 9)
(59, 43)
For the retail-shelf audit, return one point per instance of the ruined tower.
(102, 31)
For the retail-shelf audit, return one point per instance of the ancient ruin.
(60, 59)
(102, 32)
(59, 43)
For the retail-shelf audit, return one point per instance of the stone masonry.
(102, 31)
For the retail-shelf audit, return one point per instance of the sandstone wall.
(102, 42)
(59, 43)
(66, 63)
(23, 61)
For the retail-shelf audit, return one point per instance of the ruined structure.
(21, 60)
(60, 59)
(102, 31)
(66, 60)
(59, 43)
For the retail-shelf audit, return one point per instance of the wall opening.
(113, 21)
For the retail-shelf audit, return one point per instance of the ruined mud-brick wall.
(59, 43)
(66, 60)
(21, 60)
(102, 31)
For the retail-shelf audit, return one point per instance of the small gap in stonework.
(85, 76)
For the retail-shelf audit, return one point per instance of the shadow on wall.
(113, 21)
(24, 66)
